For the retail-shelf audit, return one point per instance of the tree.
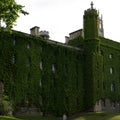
(9, 12)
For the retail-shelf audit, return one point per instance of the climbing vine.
(55, 90)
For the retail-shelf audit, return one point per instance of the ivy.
(69, 81)
(56, 92)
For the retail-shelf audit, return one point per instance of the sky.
(61, 17)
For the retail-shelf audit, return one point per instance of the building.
(56, 78)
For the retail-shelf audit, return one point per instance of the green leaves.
(9, 12)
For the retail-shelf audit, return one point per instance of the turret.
(92, 58)
(91, 23)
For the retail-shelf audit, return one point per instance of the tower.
(92, 58)
(90, 23)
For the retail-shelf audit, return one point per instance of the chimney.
(34, 31)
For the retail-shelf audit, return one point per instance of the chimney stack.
(34, 31)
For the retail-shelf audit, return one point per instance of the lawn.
(89, 116)
(99, 116)
(30, 118)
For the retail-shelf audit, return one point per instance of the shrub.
(5, 107)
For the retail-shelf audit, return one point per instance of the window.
(40, 82)
(67, 103)
(103, 85)
(28, 77)
(111, 70)
(113, 104)
(111, 56)
(66, 52)
(28, 62)
(14, 42)
(77, 103)
(112, 87)
(66, 70)
(98, 84)
(53, 68)
(54, 83)
(28, 45)
(97, 65)
(77, 83)
(101, 52)
(77, 77)
(78, 57)
(103, 103)
(119, 79)
(54, 97)
(41, 49)
(41, 65)
(14, 59)
(103, 68)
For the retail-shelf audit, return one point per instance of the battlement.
(91, 11)
(44, 32)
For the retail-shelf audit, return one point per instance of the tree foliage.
(9, 12)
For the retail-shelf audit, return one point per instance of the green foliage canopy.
(9, 12)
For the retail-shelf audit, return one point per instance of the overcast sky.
(60, 17)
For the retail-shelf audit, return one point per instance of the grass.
(26, 118)
(89, 116)
(99, 116)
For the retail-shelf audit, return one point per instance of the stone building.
(57, 78)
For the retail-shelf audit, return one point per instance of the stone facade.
(29, 111)
(59, 78)
(107, 105)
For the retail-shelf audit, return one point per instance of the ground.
(99, 116)
(27, 118)
(88, 116)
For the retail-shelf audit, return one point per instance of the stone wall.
(31, 111)
(107, 106)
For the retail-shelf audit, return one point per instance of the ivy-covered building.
(80, 75)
